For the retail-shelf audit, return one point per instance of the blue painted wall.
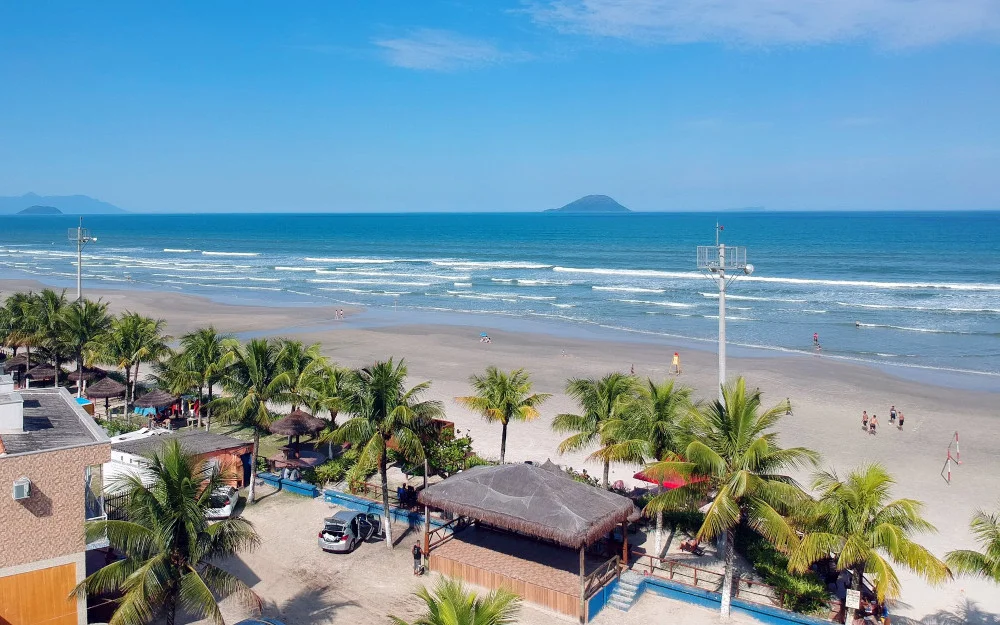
(600, 599)
(712, 600)
(412, 518)
(298, 488)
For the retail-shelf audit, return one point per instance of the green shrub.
(582, 477)
(803, 593)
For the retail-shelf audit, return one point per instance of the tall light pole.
(716, 260)
(81, 236)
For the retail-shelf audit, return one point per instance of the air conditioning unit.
(22, 488)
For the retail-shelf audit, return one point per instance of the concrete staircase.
(625, 593)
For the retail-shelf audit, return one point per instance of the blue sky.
(467, 106)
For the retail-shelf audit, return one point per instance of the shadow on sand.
(310, 605)
(966, 612)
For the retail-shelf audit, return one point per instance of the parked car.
(347, 529)
(222, 502)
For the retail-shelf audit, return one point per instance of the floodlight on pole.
(80, 236)
(717, 260)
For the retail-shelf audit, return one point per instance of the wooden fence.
(744, 588)
(561, 602)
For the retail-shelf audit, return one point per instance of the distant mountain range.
(66, 204)
(591, 204)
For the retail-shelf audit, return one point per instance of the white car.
(222, 502)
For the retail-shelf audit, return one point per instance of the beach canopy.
(156, 399)
(105, 388)
(41, 372)
(14, 362)
(297, 423)
(87, 373)
(531, 500)
(670, 482)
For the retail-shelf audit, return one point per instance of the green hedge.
(804, 593)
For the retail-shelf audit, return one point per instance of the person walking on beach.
(900, 421)
(873, 424)
(864, 419)
(675, 366)
(815, 339)
(892, 415)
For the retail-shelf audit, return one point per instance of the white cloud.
(440, 50)
(890, 23)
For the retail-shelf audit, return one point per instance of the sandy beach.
(827, 398)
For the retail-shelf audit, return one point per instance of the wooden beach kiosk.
(530, 529)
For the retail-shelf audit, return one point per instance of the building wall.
(49, 524)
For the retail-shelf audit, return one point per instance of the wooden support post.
(625, 544)
(583, 584)
(427, 526)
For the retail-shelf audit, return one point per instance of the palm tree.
(204, 351)
(451, 604)
(305, 367)
(329, 395)
(132, 340)
(733, 452)
(19, 325)
(615, 396)
(47, 314)
(169, 547)
(84, 324)
(655, 432)
(381, 409)
(254, 381)
(986, 564)
(856, 521)
(503, 397)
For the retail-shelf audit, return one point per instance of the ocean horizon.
(914, 289)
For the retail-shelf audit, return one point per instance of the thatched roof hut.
(105, 388)
(41, 372)
(87, 373)
(297, 423)
(531, 500)
(15, 362)
(156, 399)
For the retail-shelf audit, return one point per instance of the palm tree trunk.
(857, 575)
(208, 409)
(658, 545)
(58, 369)
(172, 612)
(386, 518)
(607, 470)
(79, 373)
(252, 492)
(727, 579)
(503, 441)
(201, 389)
(128, 378)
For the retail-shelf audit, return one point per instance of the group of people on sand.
(340, 314)
(870, 424)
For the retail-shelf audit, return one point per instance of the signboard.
(853, 600)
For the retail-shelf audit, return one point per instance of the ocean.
(917, 290)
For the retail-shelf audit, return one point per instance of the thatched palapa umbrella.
(105, 388)
(156, 399)
(16, 362)
(86, 374)
(41, 372)
(297, 423)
